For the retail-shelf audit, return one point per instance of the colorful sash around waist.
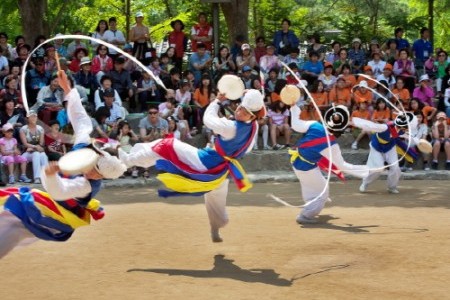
(317, 141)
(44, 217)
(323, 163)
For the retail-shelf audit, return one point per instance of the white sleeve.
(81, 122)
(117, 98)
(64, 188)
(298, 124)
(97, 100)
(447, 97)
(367, 125)
(226, 128)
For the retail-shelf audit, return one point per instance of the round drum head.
(78, 162)
(425, 146)
(232, 86)
(290, 94)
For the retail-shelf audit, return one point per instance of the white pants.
(376, 161)
(13, 233)
(315, 189)
(38, 160)
(265, 136)
(142, 155)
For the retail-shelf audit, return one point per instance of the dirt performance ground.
(371, 246)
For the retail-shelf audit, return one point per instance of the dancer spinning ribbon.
(192, 171)
(30, 215)
(314, 153)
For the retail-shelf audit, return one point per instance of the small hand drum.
(78, 161)
(290, 94)
(232, 86)
(425, 146)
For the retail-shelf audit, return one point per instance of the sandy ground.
(372, 246)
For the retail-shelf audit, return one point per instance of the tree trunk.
(236, 17)
(32, 14)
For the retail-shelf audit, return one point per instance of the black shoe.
(434, 165)
(447, 166)
(2, 183)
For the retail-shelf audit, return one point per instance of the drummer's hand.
(52, 168)
(64, 82)
(221, 97)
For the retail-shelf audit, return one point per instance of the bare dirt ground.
(371, 246)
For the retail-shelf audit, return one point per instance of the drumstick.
(57, 61)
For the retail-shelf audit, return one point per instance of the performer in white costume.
(204, 171)
(313, 153)
(384, 145)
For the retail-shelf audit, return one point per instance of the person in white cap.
(192, 171)
(424, 92)
(313, 153)
(383, 148)
(140, 35)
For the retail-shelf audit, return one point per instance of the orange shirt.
(309, 115)
(427, 111)
(338, 96)
(350, 81)
(403, 95)
(381, 115)
(321, 99)
(363, 114)
(359, 97)
(372, 84)
(202, 99)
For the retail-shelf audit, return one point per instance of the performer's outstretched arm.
(298, 124)
(367, 125)
(226, 128)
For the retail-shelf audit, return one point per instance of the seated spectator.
(152, 127)
(327, 77)
(223, 63)
(440, 66)
(174, 79)
(54, 145)
(424, 92)
(340, 95)
(11, 91)
(341, 61)
(105, 83)
(147, 91)
(201, 98)
(32, 138)
(293, 57)
(35, 79)
(263, 130)
(100, 128)
(279, 124)
(309, 113)
(76, 59)
(126, 138)
(116, 112)
(49, 101)
(260, 48)
(369, 73)
(416, 106)
(387, 76)
(246, 58)
(441, 140)
(401, 93)
(358, 133)
(121, 82)
(291, 78)
(154, 66)
(381, 113)
(102, 63)
(23, 50)
(247, 76)
(357, 56)
(10, 113)
(447, 100)
(167, 108)
(10, 155)
(312, 68)
(270, 60)
(50, 58)
(420, 133)
(363, 94)
(275, 95)
(86, 79)
(61, 117)
(271, 81)
(376, 63)
(319, 95)
(404, 68)
(200, 62)
(350, 79)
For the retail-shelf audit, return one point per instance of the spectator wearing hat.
(246, 58)
(356, 56)
(74, 45)
(35, 79)
(363, 94)
(202, 32)
(387, 76)
(247, 76)
(376, 63)
(369, 73)
(114, 36)
(200, 62)
(374, 46)
(10, 155)
(76, 59)
(121, 82)
(284, 39)
(139, 36)
(102, 63)
(422, 49)
(260, 48)
(178, 40)
(115, 110)
(59, 46)
(424, 92)
(32, 138)
(270, 60)
(86, 79)
(333, 56)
